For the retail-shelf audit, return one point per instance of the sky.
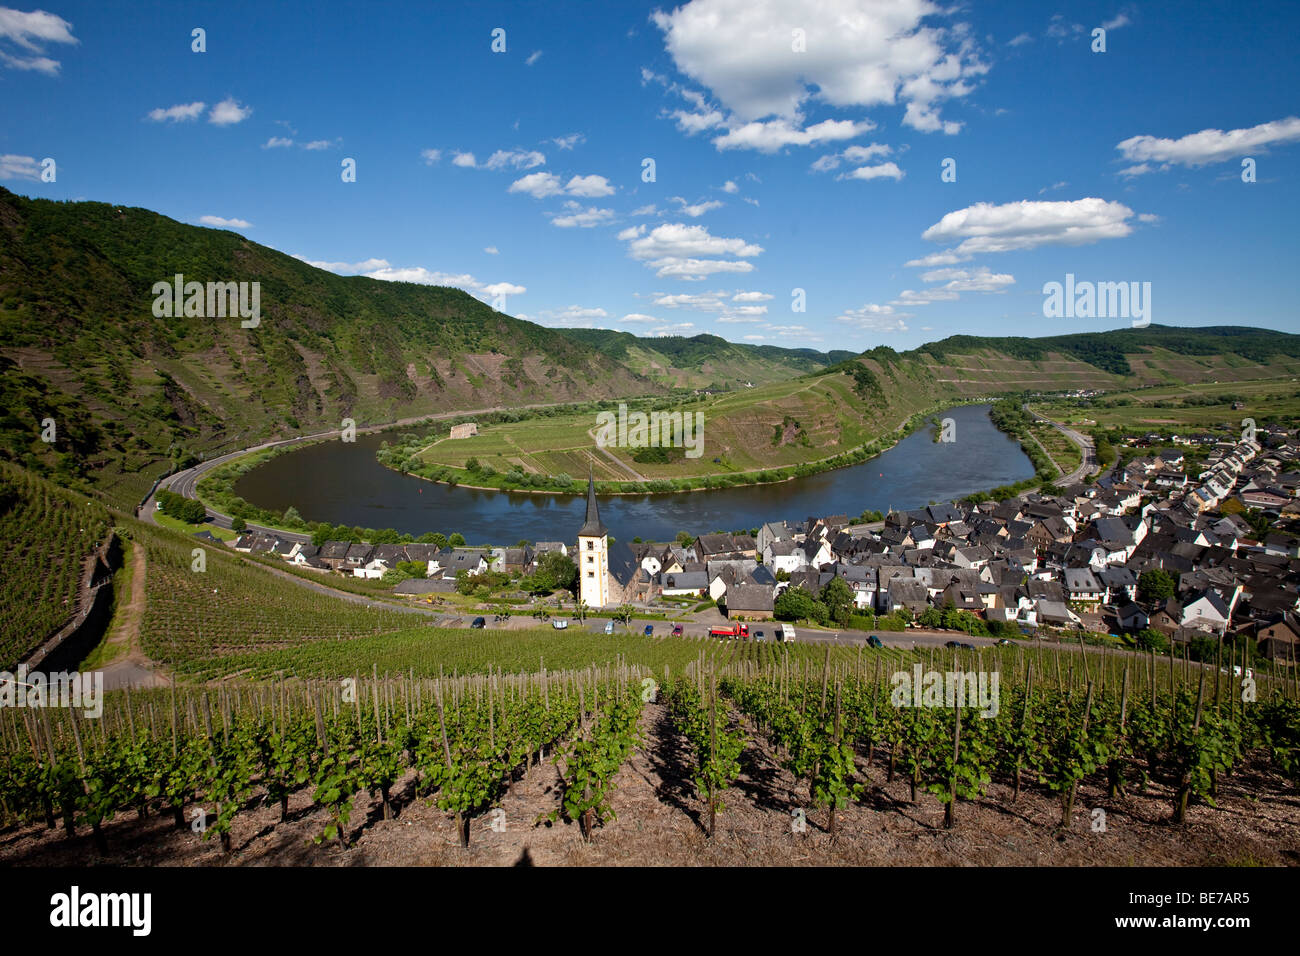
(828, 174)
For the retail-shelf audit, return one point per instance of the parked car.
(649, 630)
(953, 644)
(479, 623)
(967, 647)
(1004, 642)
(559, 624)
(678, 630)
(609, 627)
(785, 633)
(759, 636)
(874, 641)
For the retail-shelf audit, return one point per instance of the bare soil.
(659, 821)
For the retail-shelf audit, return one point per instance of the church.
(608, 575)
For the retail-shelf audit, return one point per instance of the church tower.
(593, 554)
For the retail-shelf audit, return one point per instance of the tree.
(1155, 585)
(838, 598)
(292, 517)
(794, 604)
(685, 539)
(1152, 640)
(624, 613)
(239, 524)
(457, 540)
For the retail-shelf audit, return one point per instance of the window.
(591, 574)
(591, 545)
(590, 559)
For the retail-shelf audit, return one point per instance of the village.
(1081, 561)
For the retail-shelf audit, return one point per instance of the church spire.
(593, 527)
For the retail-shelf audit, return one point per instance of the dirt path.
(132, 668)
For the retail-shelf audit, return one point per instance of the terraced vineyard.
(229, 606)
(47, 534)
(427, 651)
(823, 754)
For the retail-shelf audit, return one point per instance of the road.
(1087, 465)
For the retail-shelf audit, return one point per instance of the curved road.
(1088, 456)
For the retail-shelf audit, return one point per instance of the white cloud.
(937, 259)
(698, 302)
(695, 210)
(751, 297)
(970, 280)
(430, 156)
(874, 317)
(277, 142)
(1119, 20)
(221, 223)
(180, 113)
(1052, 188)
(1208, 146)
(318, 144)
(583, 218)
(1027, 224)
(491, 250)
(589, 186)
(1148, 217)
(883, 171)
(638, 317)
(537, 185)
(631, 232)
(515, 159)
(570, 141)
(857, 54)
(691, 252)
(19, 167)
(770, 136)
(573, 315)
(465, 160)
(1020, 39)
(911, 297)
(644, 210)
(30, 32)
(729, 187)
(679, 329)
(228, 112)
(533, 58)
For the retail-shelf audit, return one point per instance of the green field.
(1201, 406)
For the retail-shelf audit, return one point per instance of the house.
(1280, 641)
(1056, 614)
(1082, 585)
(684, 583)
(713, 545)
(454, 560)
(909, 592)
(1206, 611)
(1118, 584)
(1131, 617)
(749, 601)
(773, 531)
(420, 587)
(467, 430)
(784, 555)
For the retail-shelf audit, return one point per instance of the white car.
(559, 625)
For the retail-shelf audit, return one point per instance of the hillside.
(47, 534)
(704, 361)
(128, 390)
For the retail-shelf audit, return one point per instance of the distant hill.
(79, 343)
(703, 361)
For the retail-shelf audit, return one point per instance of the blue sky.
(520, 173)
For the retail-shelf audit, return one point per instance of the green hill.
(128, 391)
(704, 361)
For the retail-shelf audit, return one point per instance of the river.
(343, 483)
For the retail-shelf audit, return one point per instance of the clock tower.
(593, 554)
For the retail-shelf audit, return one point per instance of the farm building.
(466, 430)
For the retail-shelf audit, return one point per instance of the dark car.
(1003, 642)
(649, 630)
(479, 622)
(759, 636)
(874, 641)
(953, 644)
(967, 647)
